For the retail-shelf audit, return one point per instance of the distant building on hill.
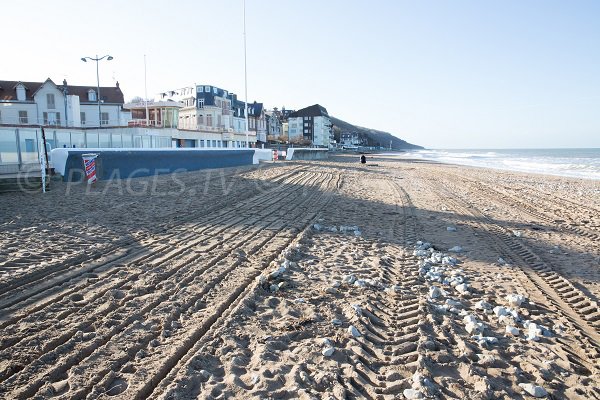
(352, 138)
(49, 104)
(310, 125)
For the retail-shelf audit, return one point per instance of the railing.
(20, 148)
(151, 122)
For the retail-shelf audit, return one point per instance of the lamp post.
(108, 58)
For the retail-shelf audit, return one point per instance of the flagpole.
(246, 80)
(146, 91)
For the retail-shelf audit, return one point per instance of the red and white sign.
(89, 163)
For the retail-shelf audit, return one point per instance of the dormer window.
(21, 92)
(207, 89)
(50, 101)
(215, 90)
(92, 95)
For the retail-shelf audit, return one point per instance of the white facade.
(321, 131)
(50, 106)
(295, 129)
(18, 113)
(207, 125)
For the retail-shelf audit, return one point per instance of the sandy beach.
(313, 280)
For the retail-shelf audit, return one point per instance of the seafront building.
(311, 125)
(212, 117)
(273, 122)
(157, 114)
(199, 116)
(69, 117)
(257, 122)
(46, 103)
(352, 139)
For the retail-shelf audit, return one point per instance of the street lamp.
(108, 58)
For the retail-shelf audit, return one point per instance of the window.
(207, 89)
(200, 89)
(23, 117)
(21, 93)
(92, 95)
(214, 143)
(82, 117)
(50, 101)
(209, 119)
(104, 118)
(201, 143)
(214, 90)
(51, 118)
(200, 103)
(200, 119)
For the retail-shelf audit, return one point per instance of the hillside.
(373, 137)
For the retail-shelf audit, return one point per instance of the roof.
(8, 90)
(255, 109)
(315, 110)
(110, 94)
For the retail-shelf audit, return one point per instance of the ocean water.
(576, 163)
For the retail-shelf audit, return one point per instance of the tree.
(137, 99)
(300, 140)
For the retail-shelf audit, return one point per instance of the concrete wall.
(135, 163)
(306, 154)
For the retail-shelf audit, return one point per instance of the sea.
(575, 163)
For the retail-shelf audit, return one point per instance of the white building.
(310, 124)
(273, 123)
(45, 103)
(210, 117)
(257, 122)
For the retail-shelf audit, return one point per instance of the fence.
(20, 148)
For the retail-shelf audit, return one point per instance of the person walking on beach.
(363, 159)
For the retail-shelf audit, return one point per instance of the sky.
(441, 74)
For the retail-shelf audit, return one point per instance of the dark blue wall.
(138, 163)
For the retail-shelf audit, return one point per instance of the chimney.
(65, 82)
(117, 84)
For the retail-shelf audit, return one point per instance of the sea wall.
(135, 163)
(262, 155)
(306, 154)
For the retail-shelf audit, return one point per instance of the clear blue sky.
(442, 74)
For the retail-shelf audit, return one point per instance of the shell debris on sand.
(533, 390)
(353, 331)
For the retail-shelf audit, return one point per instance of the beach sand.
(313, 280)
